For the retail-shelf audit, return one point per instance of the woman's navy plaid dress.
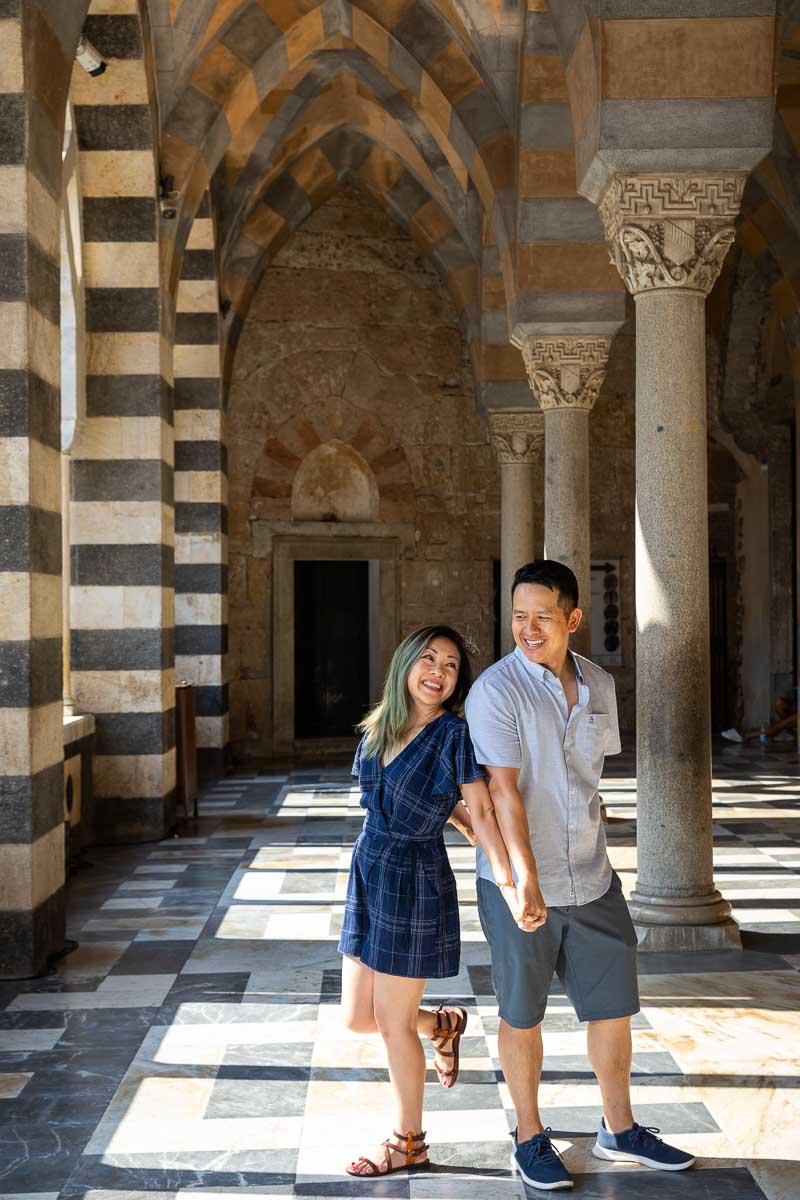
(401, 914)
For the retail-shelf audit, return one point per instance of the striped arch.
(640, 86)
(343, 88)
(346, 155)
(416, 53)
(122, 519)
(201, 495)
(301, 434)
(563, 274)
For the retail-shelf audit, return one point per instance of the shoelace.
(645, 1133)
(543, 1149)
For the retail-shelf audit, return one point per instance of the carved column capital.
(671, 231)
(566, 372)
(517, 437)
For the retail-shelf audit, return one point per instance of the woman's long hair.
(385, 723)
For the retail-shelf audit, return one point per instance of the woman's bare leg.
(396, 1008)
(358, 1008)
(397, 1013)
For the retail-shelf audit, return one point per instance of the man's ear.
(575, 617)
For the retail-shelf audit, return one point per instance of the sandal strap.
(409, 1149)
(440, 1031)
(362, 1158)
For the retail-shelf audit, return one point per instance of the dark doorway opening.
(718, 597)
(331, 647)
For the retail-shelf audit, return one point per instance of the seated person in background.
(785, 722)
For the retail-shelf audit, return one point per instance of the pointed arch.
(252, 54)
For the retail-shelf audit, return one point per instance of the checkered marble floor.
(193, 1040)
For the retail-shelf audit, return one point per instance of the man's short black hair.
(550, 574)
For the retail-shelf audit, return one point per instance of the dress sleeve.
(457, 762)
(356, 767)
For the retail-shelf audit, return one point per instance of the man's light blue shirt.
(518, 716)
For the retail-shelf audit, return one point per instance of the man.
(542, 719)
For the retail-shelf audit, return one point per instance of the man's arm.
(513, 822)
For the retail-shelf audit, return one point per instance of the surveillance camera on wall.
(89, 59)
(168, 199)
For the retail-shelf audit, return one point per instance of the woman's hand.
(526, 904)
(533, 908)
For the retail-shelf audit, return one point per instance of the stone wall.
(353, 345)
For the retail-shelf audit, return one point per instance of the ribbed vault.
(276, 60)
(345, 155)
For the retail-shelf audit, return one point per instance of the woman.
(415, 763)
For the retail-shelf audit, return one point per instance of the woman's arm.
(463, 822)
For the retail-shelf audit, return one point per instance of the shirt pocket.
(596, 731)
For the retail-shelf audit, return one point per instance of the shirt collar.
(543, 673)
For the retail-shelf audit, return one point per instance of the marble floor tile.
(91, 960)
(11, 1085)
(28, 1195)
(158, 869)
(15, 1040)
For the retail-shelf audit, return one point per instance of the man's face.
(540, 625)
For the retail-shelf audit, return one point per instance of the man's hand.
(533, 911)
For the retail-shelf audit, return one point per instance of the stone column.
(669, 235)
(566, 374)
(517, 438)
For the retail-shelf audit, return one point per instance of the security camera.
(89, 59)
(168, 199)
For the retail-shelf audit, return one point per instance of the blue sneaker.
(640, 1144)
(539, 1163)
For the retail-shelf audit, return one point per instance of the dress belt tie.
(415, 849)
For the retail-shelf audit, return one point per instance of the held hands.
(526, 903)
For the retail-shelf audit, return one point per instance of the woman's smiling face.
(434, 675)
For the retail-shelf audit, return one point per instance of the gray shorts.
(591, 947)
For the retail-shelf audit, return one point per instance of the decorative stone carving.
(517, 437)
(671, 231)
(566, 372)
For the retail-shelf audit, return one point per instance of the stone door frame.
(335, 547)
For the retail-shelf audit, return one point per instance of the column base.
(684, 923)
(692, 938)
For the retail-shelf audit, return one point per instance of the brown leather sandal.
(452, 1034)
(409, 1149)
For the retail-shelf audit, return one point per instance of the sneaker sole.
(625, 1156)
(543, 1187)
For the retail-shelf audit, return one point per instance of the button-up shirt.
(518, 716)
